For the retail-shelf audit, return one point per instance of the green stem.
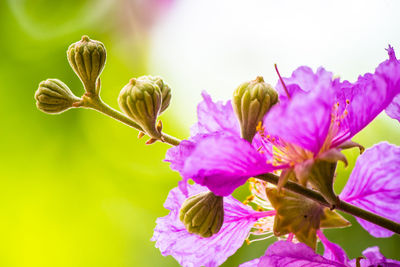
(341, 205)
(97, 104)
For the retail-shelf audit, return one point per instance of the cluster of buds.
(143, 99)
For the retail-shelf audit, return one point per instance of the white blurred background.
(215, 45)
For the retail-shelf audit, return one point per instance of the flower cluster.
(300, 139)
(285, 142)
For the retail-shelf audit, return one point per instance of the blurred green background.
(79, 189)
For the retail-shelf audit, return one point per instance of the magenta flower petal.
(177, 156)
(367, 97)
(192, 250)
(373, 257)
(285, 253)
(374, 185)
(304, 80)
(304, 120)
(223, 163)
(215, 117)
(332, 251)
(393, 110)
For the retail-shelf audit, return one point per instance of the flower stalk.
(96, 103)
(341, 205)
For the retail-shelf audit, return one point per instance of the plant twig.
(341, 205)
(95, 103)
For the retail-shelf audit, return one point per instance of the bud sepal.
(321, 176)
(301, 216)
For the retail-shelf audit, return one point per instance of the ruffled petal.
(192, 250)
(215, 117)
(374, 185)
(285, 253)
(304, 120)
(373, 257)
(332, 251)
(304, 80)
(393, 110)
(366, 98)
(177, 156)
(223, 163)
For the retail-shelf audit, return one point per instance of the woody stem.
(341, 205)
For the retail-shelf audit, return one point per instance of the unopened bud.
(164, 88)
(251, 101)
(87, 58)
(53, 96)
(203, 214)
(141, 101)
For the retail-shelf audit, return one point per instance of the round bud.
(141, 101)
(164, 88)
(251, 101)
(53, 96)
(87, 58)
(203, 214)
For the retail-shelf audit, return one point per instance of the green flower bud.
(251, 101)
(141, 101)
(53, 96)
(203, 214)
(164, 88)
(87, 58)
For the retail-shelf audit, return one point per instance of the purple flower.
(324, 113)
(215, 156)
(319, 119)
(188, 249)
(374, 185)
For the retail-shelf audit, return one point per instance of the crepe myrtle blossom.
(285, 253)
(320, 116)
